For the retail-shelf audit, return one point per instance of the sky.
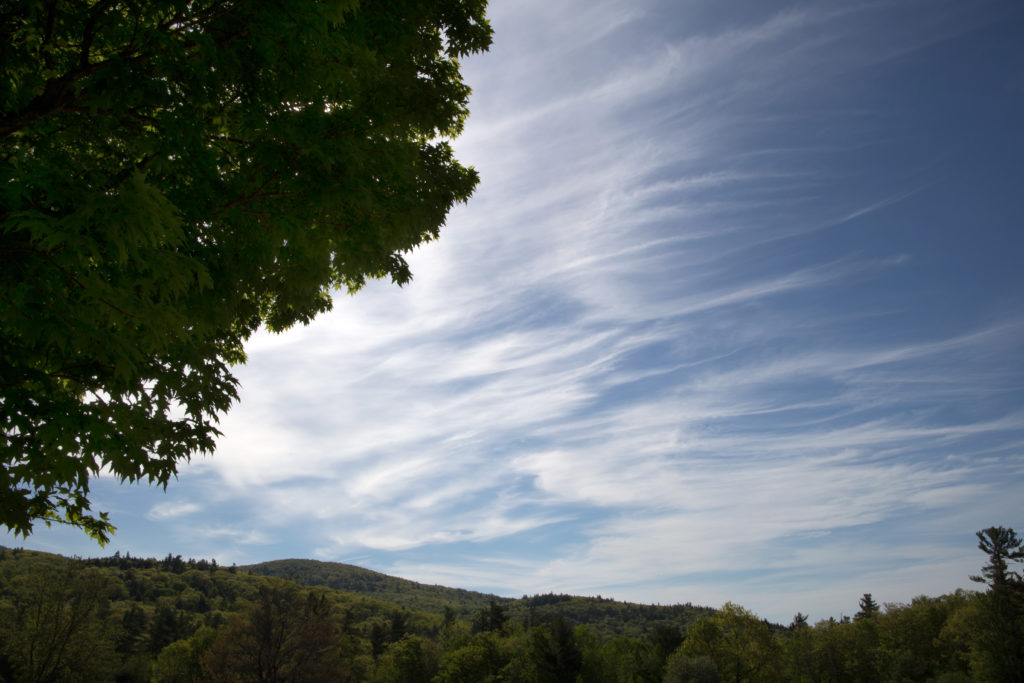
(735, 314)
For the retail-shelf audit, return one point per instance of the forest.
(127, 619)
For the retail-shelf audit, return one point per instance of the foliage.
(478, 661)
(285, 635)
(868, 608)
(555, 651)
(181, 661)
(742, 647)
(346, 577)
(173, 175)
(56, 628)
(412, 659)
(490, 618)
(185, 620)
(999, 621)
(1002, 546)
(683, 669)
(604, 616)
(922, 639)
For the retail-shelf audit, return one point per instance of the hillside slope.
(604, 616)
(366, 582)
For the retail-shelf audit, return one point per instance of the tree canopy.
(1002, 545)
(175, 174)
(128, 618)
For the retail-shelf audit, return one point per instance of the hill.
(130, 619)
(603, 616)
(352, 579)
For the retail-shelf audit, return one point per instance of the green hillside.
(129, 619)
(353, 579)
(603, 616)
(606, 617)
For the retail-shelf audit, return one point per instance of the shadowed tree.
(556, 653)
(1002, 546)
(1000, 635)
(490, 618)
(286, 636)
(682, 669)
(868, 608)
(53, 629)
(175, 175)
(799, 647)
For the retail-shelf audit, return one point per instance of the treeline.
(172, 563)
(129, 619)
(353, 579)
(606, 618)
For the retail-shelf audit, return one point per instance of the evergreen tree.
(490, 618)
(1002, 546)
(999, 641)
(556, 653)
(868, 608)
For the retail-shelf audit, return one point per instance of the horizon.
(735, 314)
(510, 598)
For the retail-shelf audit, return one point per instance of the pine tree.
(868, 608)
(1002, 545)
(999, 644)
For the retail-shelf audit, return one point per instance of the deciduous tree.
(287, 636)
(175, 174)
(742, 647)
(54, 627)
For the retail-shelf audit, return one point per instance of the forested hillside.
(353, 579)
(603, 616)
(130, 619)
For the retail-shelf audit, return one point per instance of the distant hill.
(602, 615)
(368, 583)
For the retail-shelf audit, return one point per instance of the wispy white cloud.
(164, 511)
(234, 535)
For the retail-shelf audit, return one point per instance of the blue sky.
(736, 313)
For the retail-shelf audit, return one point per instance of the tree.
(181, 661)
(868, 608)
(287, 635)
(481, 659)
(798, 645)
(555, 650)
(169, 624)
(682, 669)
(410, 660)
(924, 640)
(999, 633)
(742, 647)
(490, 618)
(175, 174)
(1002, 545)
(54, 627)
